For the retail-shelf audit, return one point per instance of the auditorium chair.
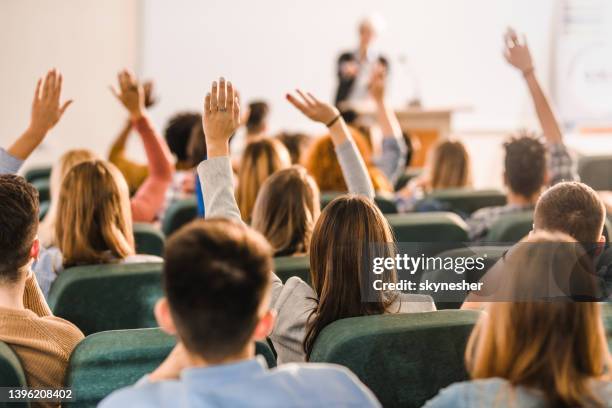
(288, 266)
(510, 228)
(385, 203)
(178, 214)
(37, 173)
(464, 200)
(43, 187)
(606, 310)
(107, 361)
(11, 373)
(405, 359)
(107, 297)
(454, 299)
(148, 239)
(595, 171)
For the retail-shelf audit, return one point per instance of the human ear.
(265, 325)
(164, 317)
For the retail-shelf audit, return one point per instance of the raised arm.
(150, 197)
(353, 167)
(220, 120)
(46, 112)
(393, 159)
(561, 165)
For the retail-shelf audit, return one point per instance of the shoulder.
(331, 380)
(294, 294)
(141, 258)
(486, 212)
(468, 394)
(144, 394)
(413, 303)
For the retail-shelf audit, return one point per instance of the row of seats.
(423, 352)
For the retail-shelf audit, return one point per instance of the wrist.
(36, 131)
(216, 149)
(528, 72)
(137, 114)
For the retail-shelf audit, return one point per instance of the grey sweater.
(294, 300)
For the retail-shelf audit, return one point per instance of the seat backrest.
(148, 239)
(36, 173)
(510, 228)
(107, 361)
(107, 297)
(178, 214)
(405, 359)
(11, 374)
(595, 171)
(288, 266)
(466, 200)
(44, 189)
(428, 227)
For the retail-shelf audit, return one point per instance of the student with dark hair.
(255, 127)
(296, 144)
(217, 281)
(340, 239)
(530, 165)
(42, 341)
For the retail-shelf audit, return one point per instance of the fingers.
(37, 90)
(65, 106)
(207, 104)
(46, 90)
(236, 111)
(222, 94)
(114, 91)
(306, 99)
(297, 103)
(214, 101)
(57, 94)
(230, 97)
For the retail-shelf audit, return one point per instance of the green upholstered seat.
(178, 214)
(385, 203)
(405, 359)
(467, 200)
(37, 173)
(595, 171)
(149, 239)
(510, 228)
(43, 187)
(107, 361)
(11, 373)
(454, 299)
(288, 266)
(428, 227)
(107, 297)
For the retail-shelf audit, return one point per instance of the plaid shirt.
(561, 167)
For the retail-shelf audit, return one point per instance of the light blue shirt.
(499, 393)
(9, 164)
(250, 384)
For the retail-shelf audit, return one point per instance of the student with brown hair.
(344, 231)
(532, 351)
(42, 341)
(261, 158)
(530, 165)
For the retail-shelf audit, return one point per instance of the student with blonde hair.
(261, 158)
(342, 234)
(528, 350)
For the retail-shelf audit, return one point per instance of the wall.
(89, 41)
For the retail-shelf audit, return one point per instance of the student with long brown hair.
(261, 158)
(530, 349)
(341, 235)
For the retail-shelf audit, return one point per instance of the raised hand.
(149, 94)
(131, 94)
(221, 117)
(46, 107)
(313, 108)
(517, 52)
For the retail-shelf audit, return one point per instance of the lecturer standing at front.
(355, 68)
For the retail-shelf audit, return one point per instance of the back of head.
(216, 276)
(556, 345)
(287, 206)
(525, 165)
(296, 144)
(18, 225)
(258, 116)
(572, 208)
(178, 133)
(94, 222)
(347, 234)
(262, 157)
(322, 163)
(196, 148)
(450, 166)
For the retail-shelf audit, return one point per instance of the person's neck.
(11, 295)
(363, 52)
(247, 353)
(520, 200)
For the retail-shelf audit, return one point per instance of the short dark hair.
(573, 208)
(296, 144)
(196, 149)
(18, 225)
(178, 132)
(216, 274)
(258, 113)
(525, 165)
